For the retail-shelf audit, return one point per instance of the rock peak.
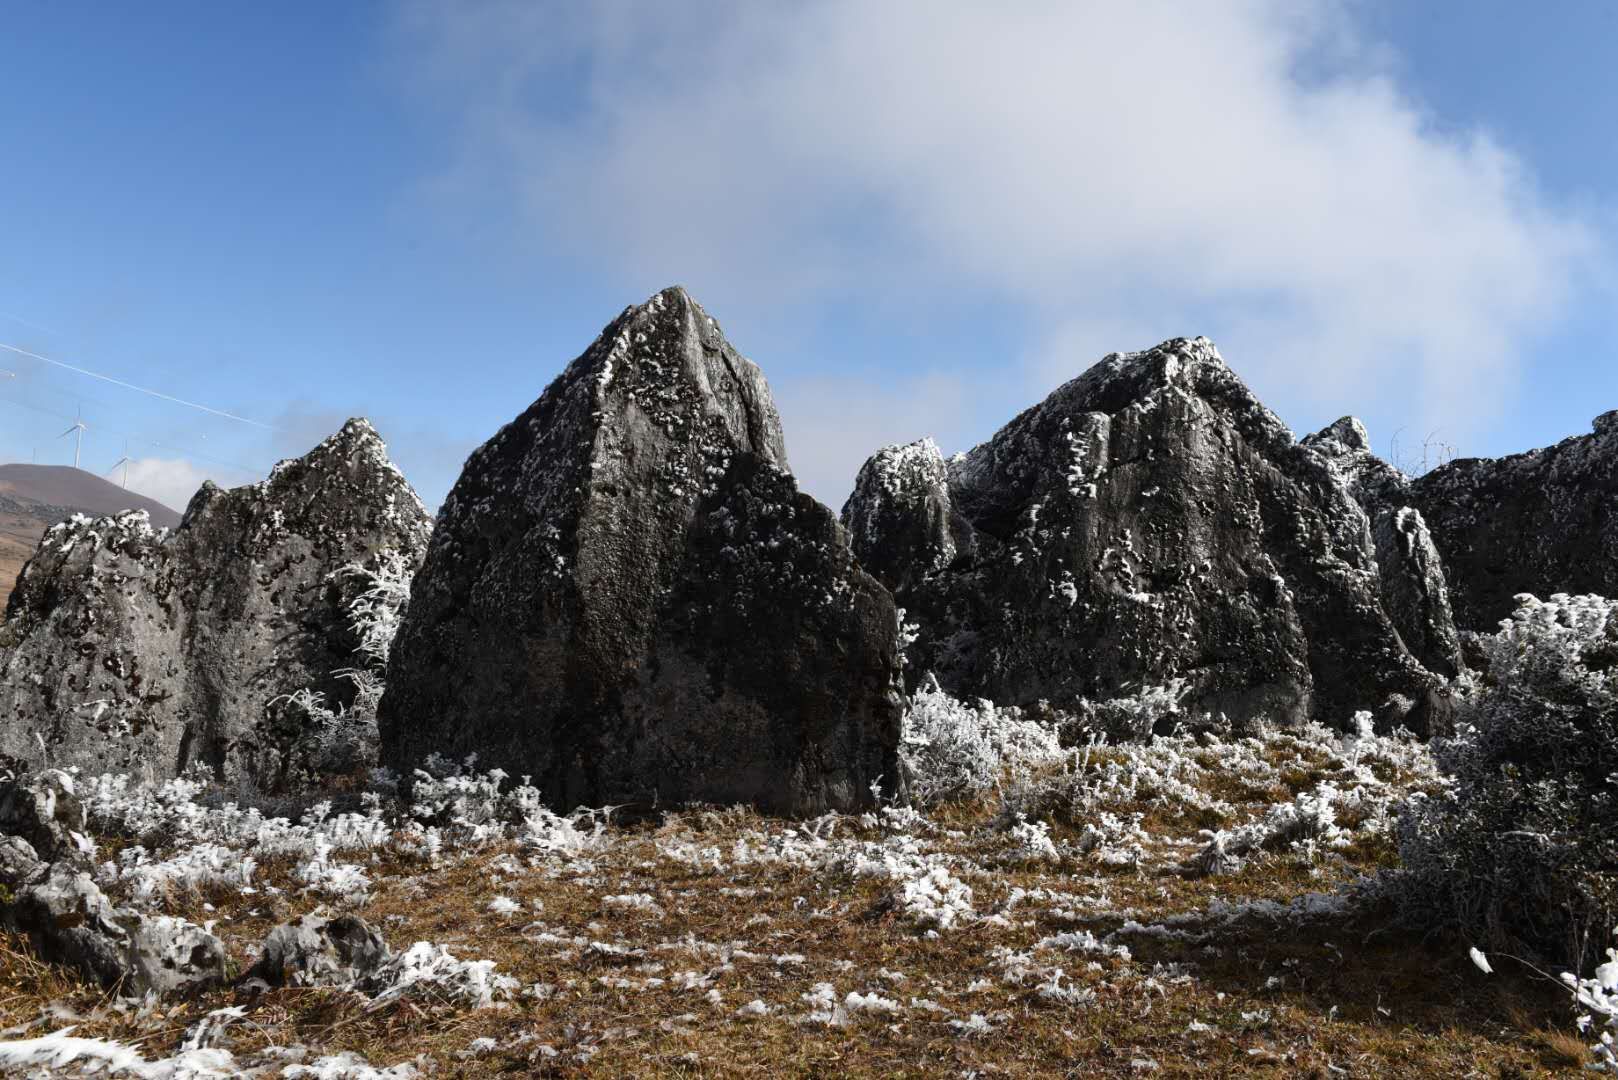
(1348, 433)
(1606, 423)
(658, 572)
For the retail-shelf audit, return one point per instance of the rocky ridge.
(1149, 528)
(129, 648)
(1541, 522)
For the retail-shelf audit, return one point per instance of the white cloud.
(171, 481)
(1236, 168)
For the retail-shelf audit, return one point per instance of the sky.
(918, 218)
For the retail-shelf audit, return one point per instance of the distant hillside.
(35, 497)
(84, 493)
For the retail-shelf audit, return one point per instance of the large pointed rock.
(1414, 587)
(129, 648)
(1148, 531)
(1542, 522)
(628, 599)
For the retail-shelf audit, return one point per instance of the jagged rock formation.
(627, 598)
(1149, 525)
(1542, 522)
(1415, 591)
(131, 649)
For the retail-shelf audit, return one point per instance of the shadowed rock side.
(127, 648)
(627, 598)
(1150, 524)
(1542, 522)
(1414, 588)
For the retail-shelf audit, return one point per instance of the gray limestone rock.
(900, 517)
(627, 598)
(1415, 590)
(44, 809)
(1148, 530)
(1542, 522)
(131, 649)
(71, 922)
(20, 864)
(318, 950)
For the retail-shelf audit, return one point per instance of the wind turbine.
(78, 443)
(124, 461)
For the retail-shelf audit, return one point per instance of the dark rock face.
(1149, 525)
(1542, 522)
(1414, 588)
(132, 649)
(627, 598)
(900, 515)
(316, 950)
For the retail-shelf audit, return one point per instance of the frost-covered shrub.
(324, 741)
(936, 899)
(957, 750)
(1153, 710)
(379, 605)
(1031, 842)
(432, 972)
(1520, 852)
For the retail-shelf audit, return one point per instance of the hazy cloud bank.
(1120, 173)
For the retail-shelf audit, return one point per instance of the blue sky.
(918, 218)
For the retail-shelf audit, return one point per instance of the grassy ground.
(739, 909)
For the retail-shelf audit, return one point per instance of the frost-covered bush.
(378, 607)
(432, 972)
(936, 899)
(957, 750)
(325, 741)
(1520, 851)
(1152, 710)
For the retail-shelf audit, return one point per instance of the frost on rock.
(1410, 571)
(316, 950)
(899, 517)
(1150, 523)
(632, 550)
(127, 649)
(69, 920)
(1541, 522)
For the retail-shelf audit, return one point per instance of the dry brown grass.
(1335, 996)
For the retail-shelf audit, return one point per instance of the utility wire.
(245, 469)
(138, 389)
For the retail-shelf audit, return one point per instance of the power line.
(244, 469)
(138, 389)
(24, 322)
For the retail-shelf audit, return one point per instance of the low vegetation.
(1192, 907)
